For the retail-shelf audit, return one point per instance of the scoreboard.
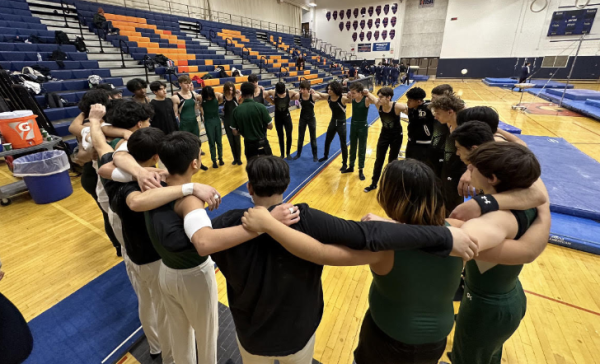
(572, 22)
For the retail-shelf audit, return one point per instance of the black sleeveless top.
(260, 98)
(420, 124)
(390, 120)
(228, 107)
(338, 109)
(282, 104)
(308, 108)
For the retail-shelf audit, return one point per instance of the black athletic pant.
(312, 130)
(423, 153)
(284, 122)
(234, 142)
(376, 347)
(339, 127)
(389, 138)
(89, 185)
(254, 148)
(16, 341)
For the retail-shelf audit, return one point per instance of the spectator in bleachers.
(258, 90)
(300, 62)
(251, 120)
(230, 103)
(164, 116)
(101, 24)
(138, 88)
(210, 101)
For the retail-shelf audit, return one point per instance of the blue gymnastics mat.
(576, 94)
(575, 233)
(499, 82)
(418, 78)
(509, 128)
(549, 84)
(571, 177)
(584, 107)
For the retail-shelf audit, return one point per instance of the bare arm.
(492, 229)
(98, 139)
(154, 198)
(208, 240)
(510, 137)
(219, 97)
(401, 108)
(175, 100)
(371, 98)
(294, 95)
(112, 132)
(527, 248)
(270, 126)
(77, 125)
(145, 178)
(269, 96)
(302, 245)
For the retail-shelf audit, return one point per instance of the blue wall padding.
(575, 233)
(576, 94)
(571, 177)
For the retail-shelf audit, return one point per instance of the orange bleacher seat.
(319, 80)
(212, 82)
(218, 89)
(276, 65)
(226, 67)
(253, 53)
(293, 73)
(311, 77)
(306, 72)
(198, 74)
(208, 62)
(241, 79)
(179, 62)
(191, 57)
(183, 69)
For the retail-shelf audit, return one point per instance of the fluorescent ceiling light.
(312, 4)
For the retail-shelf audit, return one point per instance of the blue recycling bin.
(46, 175)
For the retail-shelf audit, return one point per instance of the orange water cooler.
(20, 129)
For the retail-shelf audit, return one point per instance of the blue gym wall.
(586, 68)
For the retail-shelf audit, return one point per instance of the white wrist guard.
(195, 221)
(121, 176)
(187, 189)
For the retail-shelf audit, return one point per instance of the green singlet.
(492, 306)
(359, 111)
(413, 302)
(212, 124)
(359, 131)
(187, 115)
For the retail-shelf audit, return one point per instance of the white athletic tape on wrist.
(121, 176)
(195, 221)
(187, 189)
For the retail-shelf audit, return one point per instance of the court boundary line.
(563, 303)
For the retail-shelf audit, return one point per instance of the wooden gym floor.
(50, 251)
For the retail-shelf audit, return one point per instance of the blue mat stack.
(586, 102)
(574, 191)
(511, 82)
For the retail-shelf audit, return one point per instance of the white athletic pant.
(151, 309)
(304, 356)
(191, 302)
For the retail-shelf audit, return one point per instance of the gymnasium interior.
(60, 268)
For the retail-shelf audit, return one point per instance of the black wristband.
(487, 203)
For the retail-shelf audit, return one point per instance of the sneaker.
(221, 162)
(370, 188)
(215, 165)
(203, 167)
(347, 170)
(239, 163)
(289, 157)
(323, 159)
(315, 159)
(118, 248)
(296, 157)
(361, 175)
(234, 163)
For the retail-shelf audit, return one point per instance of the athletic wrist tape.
(118, 175)
(195, 221)
(487, 203)
(187, 189)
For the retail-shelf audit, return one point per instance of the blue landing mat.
(579, 106)
(417, 78)
(509, 128)
(499, 82)
(576, 94)
(571, 177)
(549, 84)
(575, 233)
(510, 82)
(594, 103)
(301, 170)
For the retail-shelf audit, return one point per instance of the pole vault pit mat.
(571, 177)
(509, 128)
(575, 233)
(576, 94)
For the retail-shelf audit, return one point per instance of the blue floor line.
(89, 324)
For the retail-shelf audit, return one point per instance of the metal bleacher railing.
(202, 14)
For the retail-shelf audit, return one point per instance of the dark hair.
(136, 84)
(514, 165)
(268, 175)
(97, 96)
(127, 113)
(280, 87)
(447, 102)
(442, 90)
(229, 88)
(208, 93)
(410, 193)
(144, 143)
(247, 89)
(305, 85)
(253, 78)
(480, 113)
(336, 87)
(178, 150)
(386, 92)
(357, 87)
(472, 133)
(110, 108)
(416, 93)
(156, 85)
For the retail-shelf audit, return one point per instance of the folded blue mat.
(509, 128)
(575, 233)
(549, 84)
(576, 94)
(583, 107)
(594, 103)
(511, 81)
(571, 177)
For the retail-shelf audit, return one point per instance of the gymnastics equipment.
(522, 86)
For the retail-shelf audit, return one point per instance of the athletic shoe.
(361, 175)
(239, 163)
(370, 188)
(315, 159)
(347, 170)
(118, 248)
(289, 157)
(296, 157)
(221, 162)
(344, 168)
(203, 167)
(215, 165)
(323, 159)
(234, 163)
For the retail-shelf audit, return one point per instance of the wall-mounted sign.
(364, 47)
(381, 47)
